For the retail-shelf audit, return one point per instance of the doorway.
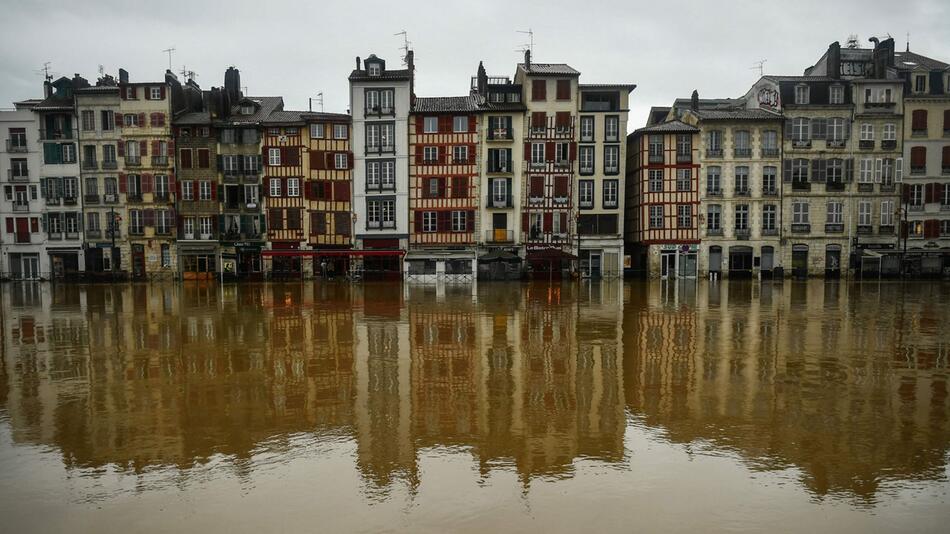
(768, 262)
(833, 261)
(667, 264)
(740, 262)
(800, 261)
(499, 225)
(138, 261)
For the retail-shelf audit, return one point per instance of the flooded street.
(610, 406)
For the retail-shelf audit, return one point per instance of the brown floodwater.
(600, 407)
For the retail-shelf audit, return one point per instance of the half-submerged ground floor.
(738, 259)
(434, 264)
(600, 257)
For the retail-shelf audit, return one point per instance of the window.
(564, 89)
(655, 177)
(684, 179)
(587, 128)
(836, 94)
(585, 191)
(386, 97)
(155, 93)
(161, 186)
(562, 153)
(586, 158)
(801, 94)
(317, 131)
(130, 120)
(108, 154)
(769, 180)
(714, 180)
(250, 194)
(251, 163)
(460, 124)
(684, 146)
(275, 187)
(918, 160)
(714, 143)
(388, 174)
(107, 118)
(430, 125)
(92, 187)
(611, 159)
(611, 128)
(611, 188)
(538, 90)
(917, 195)
(769, 215)
(204, 190)
(742, 142)
(742, 217)
(887, 171)
(864, 213)
(945, 195)
(537, 153)
(867, 132)
(836, 130)
(204, 227)
(459, 221)
(801, 129)
(374, 69)
(229, 162)
(92, 222)
(110, 186)
(429, 219)
(769, 143)
(835, 213)
(713, 217)
(434, 188)
(834, 171)
(293, 187)
(389, 213)
(273, 156)
(800, 170)
(341, 160)
(684, 216)
(69, 153)
(656, 148)
(920, 83)
(887, 213)
(799, 212)
(460, 154)
(656, 216)
(919, 122)
(742, 180)
(130, 93)
(88, 120)
(866, 171)
(890, 132)
(430, 154)
(499, 189)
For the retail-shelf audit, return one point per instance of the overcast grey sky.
(296, 49)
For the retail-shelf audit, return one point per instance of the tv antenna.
(188, 74)
(530, 44)
(44, 70)
(102, 70)
(406, 46)
(169, 52)
(852, 41)
(319, 99)
(759, 65)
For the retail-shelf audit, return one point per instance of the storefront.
(740, 261)
(323, 258)
(432, 265)
(64, 263)
(198, 262)
(800, 261)
(677, 261)
(550, 264)
(833, 261)
(499, 264)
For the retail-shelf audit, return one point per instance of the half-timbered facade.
(282, 153)
(663, 199)
(99, 139)
(328, 163)
(380, 101)
(147, 176)
(550, 149)
(443, 188)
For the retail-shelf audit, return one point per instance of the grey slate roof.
(444, 104)
(503, 106)
(550, 69)
(673, 126)
(321, 116)
(736, 114)
(193, 118)
(284, 117)
(98, 89)
(362, 76)
(800, 78)
(267, 105)
(627, 86)
(910, 60)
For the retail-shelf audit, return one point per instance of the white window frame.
(460, 154)
(656, 216)
(460, 124)
(684, 216)
(887, 213)
(204, 190)
(317, 131)
(864, 213)
(867, 132)
(341, 131)
(430, 125)
(187, 190)
(537, 153)
(188, 227)
(769, 216)
(836, 94)
(429, 221)
(430, 154)
(273, 157)
(340, 160)
(714, 217)
(250, 194)
(293, 187)
(611, 159)
(275, 187)
(834, 213)
(155, 93)
(585, 193)
(800, 212)
(459, 221)
(866, 171)
(611, 189)
(802, 94)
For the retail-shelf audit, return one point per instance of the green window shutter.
(263, 223)
(44, 193)
(52, 154)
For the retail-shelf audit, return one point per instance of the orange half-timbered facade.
(663, 199)
(443, 187)
(328, 191)
(282, 153)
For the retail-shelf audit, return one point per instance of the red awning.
(333, 252)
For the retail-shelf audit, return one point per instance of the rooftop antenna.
(169, 52)
(852, 41)
(244, 90)
(102, 70)
(406, 46)
(319, 100)
(188, 74)
(46, 72)
(530, 44)
(759, 65)
(908, 41)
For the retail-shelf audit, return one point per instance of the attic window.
(920, 83)
(836, 94)
(373, 69)
(247, 109)
(801, 94)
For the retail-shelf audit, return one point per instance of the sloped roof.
(321, 116)
(627, 86)
(910, 60)
(550, 69)
(192, 118)
(265, 106)
(284, 117)
(801, 78)
(444, 104)
(736, 114)
(673, 126)
(362, 75)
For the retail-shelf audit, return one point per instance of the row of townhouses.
(844, 170)
(145, 180)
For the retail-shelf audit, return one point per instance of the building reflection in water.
(845, 383)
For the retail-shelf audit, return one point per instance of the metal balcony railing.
(16, 145)
(18, 175)
(499, 236)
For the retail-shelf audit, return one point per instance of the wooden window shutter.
(163, 92)
(573, 151)
(928, 193)
(149, 217)
(561, 186)
(537, 186)
(142, 119)
(919, 119)
(123, 183)
(171, 148)
(120, 148)
(563, 216)
(549, 151)
(419, 154)
(564, 89)
(146, 183)
(171, 181)
(548, 221)
(156, 148)
(470, 221)
(538, 118)
(538, 89)
(527, 151)
(562, 119)
(349, 161)
(341, 191)
(524, 222)
(445, 221)
(946, 157)
(445, 124)
(143, 148)
(318, 160)
(788, 128)
(418, 221)
(905, 193)
(918, 156)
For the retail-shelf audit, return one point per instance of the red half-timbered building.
(282, 154)
(443, 187)
(663, 199)
(328, 192)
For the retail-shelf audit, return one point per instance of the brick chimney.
(694, 101)
(834, 60)
(527, 60)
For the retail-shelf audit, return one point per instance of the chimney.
(232, 84)
(123, 76)
(47, 89)
(527, 59)
(411, 63)
(357, 62)
(694, 101)
(482, 80)
(834, 60)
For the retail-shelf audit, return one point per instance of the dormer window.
(920, 83)
(801, 94)
(374, 69)
(836, 94)
(247, 109)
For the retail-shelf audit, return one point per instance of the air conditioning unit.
(110, 198)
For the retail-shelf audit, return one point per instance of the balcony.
(801, 228)
(16, 145)
(801, 186)
(714, 231)
(888, 144)
(713, 192)
(885, 229)
(110, 198)
(655, 158)
(57, 135)
(133, 161)
(888, 188)
(918, 133)
(684, 158)
(114, 233)
(743, 193)
(713, 152)
(770, 152)
(801, 143)
(22, 237)
(835, 143)
(90, 199)
(585, 170)
(52, 201)
(915, 207)
(93, 234)
(499, 134)
(379, 149)
(743, 233)
(72, 236)
(769, 231)
(159, 161)
(161, 196)
(584, 204)
(499, 202)
(70, 200)
(945, 169)
(18, 175)
(535, 199)
(879, 105)
(866, 144)
(865, 229)
(21, 206)
(834, 228)
(110, 165)
(499, 236)
(136, 230)
(562, 164)
(611, 170)
(610, 204)
(133, 197)
(836, 186)
(770, 192)
(945, 207)
(742, 152)
(90, 165)
(918, 169)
